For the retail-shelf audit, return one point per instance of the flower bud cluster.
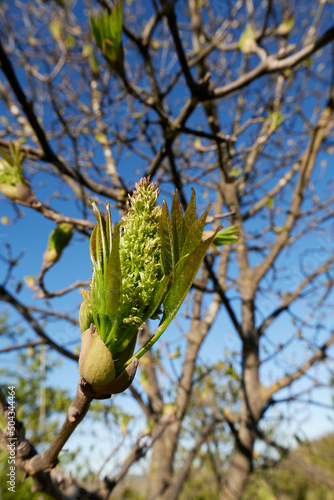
(140, 252)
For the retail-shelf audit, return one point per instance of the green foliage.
(107, 32)
(126, 268)
(286, 26)
(23, 486)
(148, 263)
(227, 236)
(201, 485)
(34, 395)
(286, 481)
(291, 480)
(60, 237)
(231, 372)
(7, 330)
(11, 172)
(247, 43)
(276, 119)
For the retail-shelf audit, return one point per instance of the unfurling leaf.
(56, 29)
(107, 31)
(30, 281)
(58, 240)
(247, 42)
(227, 236)
(12, 181)
(60, 237)
(276, 119)
(285, 27)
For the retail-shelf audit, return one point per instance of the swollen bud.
(96, 365)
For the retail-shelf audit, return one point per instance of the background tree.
(234, 99)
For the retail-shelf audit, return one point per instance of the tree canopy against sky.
(234, 99)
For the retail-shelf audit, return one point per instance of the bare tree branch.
(24, 311)
(287, 380)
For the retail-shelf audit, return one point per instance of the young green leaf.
(184, 279)
(189, 215)
(165, 232)
(195, 233)
(177, 229)
(113, 284)
(227, 236)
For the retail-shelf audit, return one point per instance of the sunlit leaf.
(184, 279)
(113, 284)
(227, 236)
(286, 26)
(60, 237)
(247, 43)
(165, 231)
(177, 228)
(189, 215)
(194, 235)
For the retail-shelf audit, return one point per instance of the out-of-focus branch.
(223, 297)
(306, 168)
(176, 129)
(54, 314)
(22, 346)
(49, 154)
(295, 294)
(287, 380)
(272, 64)
(46, 294)
(282, 182)
(143, 444)
(24, 311)
(136, 395)
(48, 482)
(76, 413)
(194, 88)
(182, 474)
(147, 367)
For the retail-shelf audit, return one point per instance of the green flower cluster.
(140, 252)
